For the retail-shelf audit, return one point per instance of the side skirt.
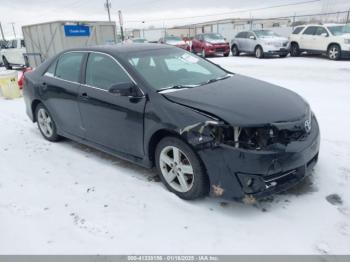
(130, 158)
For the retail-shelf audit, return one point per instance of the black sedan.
(206, 130)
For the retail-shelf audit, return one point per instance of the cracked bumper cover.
(231, 169)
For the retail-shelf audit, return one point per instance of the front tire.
(46, 124)
(283, 56)
(259, 53)
(334, 52)
(294, 50)
(235, 51)
(180, 169)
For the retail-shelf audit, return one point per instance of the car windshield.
(213, 37)
(174, 68)
(339, 29)
(265, 33)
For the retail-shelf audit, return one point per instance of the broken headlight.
(259, 138)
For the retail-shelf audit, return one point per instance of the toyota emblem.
(307, 126)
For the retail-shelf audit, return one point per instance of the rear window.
(68, 66)
(298, 30)
(241, 35)
(310, 30)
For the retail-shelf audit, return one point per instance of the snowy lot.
(58, 198)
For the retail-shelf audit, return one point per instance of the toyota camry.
(207, 131)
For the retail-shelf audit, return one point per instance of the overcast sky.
(153, 12)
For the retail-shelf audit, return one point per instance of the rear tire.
(46, 124)
(235, 51)
(294, 50)
(259, 53)
(226, 55)
(180, 169)
(334, 52)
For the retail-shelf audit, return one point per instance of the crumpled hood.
(244, 101)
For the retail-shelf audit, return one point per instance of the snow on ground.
(59, 198)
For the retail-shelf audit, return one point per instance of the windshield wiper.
(217, 79)
(176, 87)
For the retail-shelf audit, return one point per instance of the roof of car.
(321, 25)
(123, 48)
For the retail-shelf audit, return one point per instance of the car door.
(60, 90)
(251, 42)
(241, 41)
(111, 120)
(320, 39)
(306, 39)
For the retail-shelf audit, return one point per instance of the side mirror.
(122, 89)
(324, 34)
(252, 37)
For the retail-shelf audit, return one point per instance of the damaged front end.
(250, 162)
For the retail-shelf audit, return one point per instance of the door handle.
(84, 96)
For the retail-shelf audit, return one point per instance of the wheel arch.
(155, 139)
(333, 43)
(34, 105)
(257, 46)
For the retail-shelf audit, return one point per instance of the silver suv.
(261, 43)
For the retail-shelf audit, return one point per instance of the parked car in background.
(210, 44)
(332, 40)
(175, 41)
(205, 129)
(261, 43)
(13, 50)
(139, 40)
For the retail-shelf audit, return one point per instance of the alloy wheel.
(45, 123)
(235, 51)
(176, 169)
(259, 52)
(333, 52)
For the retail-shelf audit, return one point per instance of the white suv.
(330, 39)
(261, 43)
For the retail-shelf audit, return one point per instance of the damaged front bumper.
(241, 174)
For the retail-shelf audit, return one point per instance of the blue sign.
(76, 30)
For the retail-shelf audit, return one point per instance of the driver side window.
(103, 72)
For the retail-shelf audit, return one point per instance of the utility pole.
(347, 18)
(108, 6)
(121, 24)
(2, 32)
(13, 28)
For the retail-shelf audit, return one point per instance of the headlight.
(208, 44)
(347, 41)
